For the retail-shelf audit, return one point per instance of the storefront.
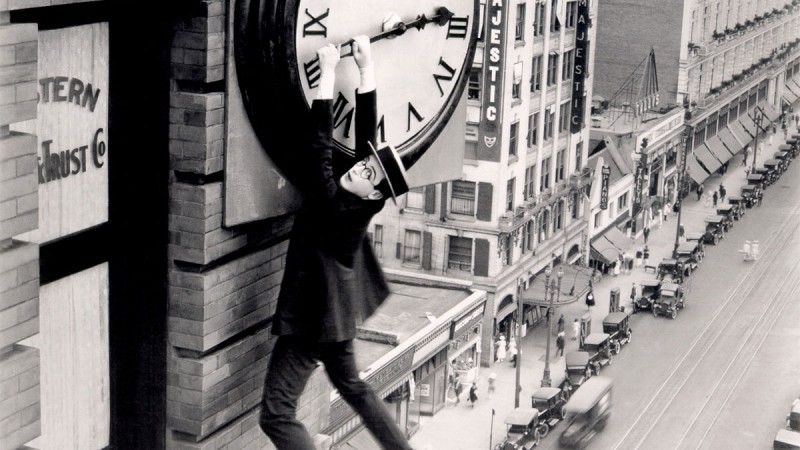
(465, 345)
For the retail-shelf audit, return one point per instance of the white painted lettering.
(491, 113)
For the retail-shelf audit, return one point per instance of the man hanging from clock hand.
(332, 280)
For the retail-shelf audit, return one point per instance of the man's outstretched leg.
(291, 364)
(341, 367)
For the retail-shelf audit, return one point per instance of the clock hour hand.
(443, 15)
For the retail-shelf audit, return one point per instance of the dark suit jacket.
(332, 280)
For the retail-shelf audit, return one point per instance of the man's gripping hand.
(362, 54)
(328, 59)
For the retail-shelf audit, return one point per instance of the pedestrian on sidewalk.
(560, 343)
(561, 323)
(745, 154)
(512, 351)
(473, 394)
(490, 381)
(457, 387)
(589, 300)
(722, 192)
(633, 293)
(699, 191)
(714, 198)
(617, 265)
(646, 234)
(576, 329)
(501, 348)
(646, 255)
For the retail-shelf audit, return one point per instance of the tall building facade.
(727, 63)
(519, 204)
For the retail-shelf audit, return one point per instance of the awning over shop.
(695, 170)
(769, 111)
(718, 149)
(789, 97)
(574, 285)
(738, 130)
(703, 154)
(748, 124)
(794, 86)
(607, 246)
(730, 141)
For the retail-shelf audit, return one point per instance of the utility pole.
(519, 342)
(546, 382)
(681, 181)
(759, 117)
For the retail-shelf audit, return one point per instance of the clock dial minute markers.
(443, 15)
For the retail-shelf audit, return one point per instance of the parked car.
(692, 236)
(739, 206)
(587, 412)
(579, 368)
(522, 430)
(793, 418)
(550, 403)
(715, 229)
(726, 212)
(598, 346)
(786, 440)
(756, 179)
(617, 326)
(775, 167)
(650, 290)
(753, 195)
(670, 300)
(672, 269)
(767, 177)
(690, 254)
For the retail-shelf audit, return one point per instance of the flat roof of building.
(404, 313)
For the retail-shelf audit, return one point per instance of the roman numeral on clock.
(457, 27)
(448, 77)
(340, 116)
(381, 130)
(413, 111)
(312, 72)
(315, 27)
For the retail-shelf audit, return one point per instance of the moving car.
(579, 369)
(715, 229)
(550, 403)
(670, 300)
(650, 290)
(522, 430)
(617, 326)
(598, 346)
(587, 412)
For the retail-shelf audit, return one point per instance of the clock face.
(420, 74)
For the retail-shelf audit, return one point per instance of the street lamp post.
(758, 119)
(546, 382)
(681, 181)
(519, 342)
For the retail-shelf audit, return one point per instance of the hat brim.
(395, 174)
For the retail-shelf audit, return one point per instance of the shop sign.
(425, 390)
(473, 317)
(579, 70)
(72, 130)
(491, 122)
(606, 173)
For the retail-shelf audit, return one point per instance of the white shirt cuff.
(325, 88)
(367, 79)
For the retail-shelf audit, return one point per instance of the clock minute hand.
(443, 15)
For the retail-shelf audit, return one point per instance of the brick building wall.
(223, 282)
(20, 417)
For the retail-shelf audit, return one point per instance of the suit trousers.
(292, 361)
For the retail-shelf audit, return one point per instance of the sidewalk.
(462, 427)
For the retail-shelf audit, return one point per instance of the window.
(558, 215)
(527, 236)
(474, 86)
(575, 199)
(552, 67)
(544, 223)
(578, 156)
(544, 177)
(622, 201)
(530, 174)
(507, 250)
(411, 253)
(597, 220)
(554, 25)
(519, 33)
(711, 127)
(572, 11)
(510, 194)
(538, 19)
(513, 138)
(516, 88)
(563, 117)
(415, 198)
(462, 200)
(548, 125)
(560, 165)
(533, 122)
(459, 254)
(536, 73)
(377, 240)
(566, 65)
(672, 155)
(722, 121)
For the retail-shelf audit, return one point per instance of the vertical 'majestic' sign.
(581, 62)
(492, 92)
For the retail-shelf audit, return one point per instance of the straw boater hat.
(393, 168)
